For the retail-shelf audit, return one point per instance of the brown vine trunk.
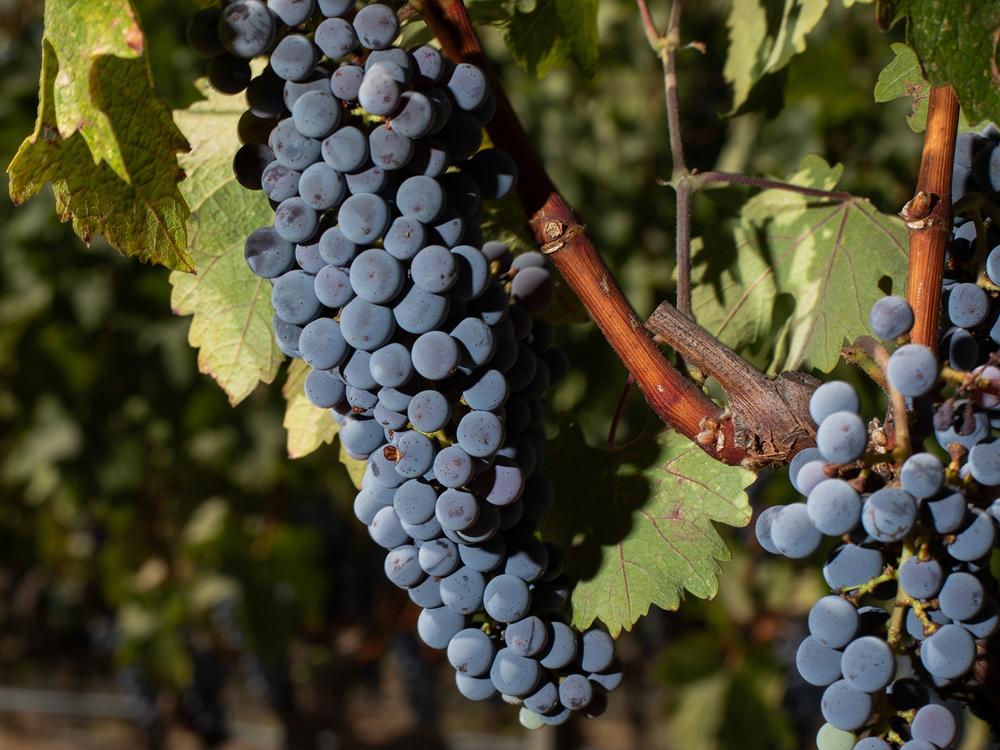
(928, 215)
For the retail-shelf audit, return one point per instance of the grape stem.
(763, 440)
(900, 605)
(900, 424)
(928, 216)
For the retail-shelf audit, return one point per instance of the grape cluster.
(914, 600)
(420, 335)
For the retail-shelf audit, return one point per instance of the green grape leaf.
(534, 39)
(637, 523)
(958, 42)
(308, 426)
(578, 24)
(801, 275)
(232, 324)
(127, 188)
(764, 35)
(903, 77)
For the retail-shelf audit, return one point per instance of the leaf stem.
(760, 182)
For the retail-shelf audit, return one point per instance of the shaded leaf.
(232, 325)
(534, 39)
(764, 35)
(578, 25)
(958, 42)
(637, 523)
(802, 275)
(142, 215)
(308, 426)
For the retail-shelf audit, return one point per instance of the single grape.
(316, 114)
(984, 463)
(922, 475)
(345, 83)
(891, 317)
(818, 664)
(436, 627)
(968, 305)
(462, 591)
(868, 664)
(833, 621)
(975, 540)
(267, 254)
(366, 326)
(889, 514)
(507, 599)
(246, 29)
(336, 38)
(527, 637)
(456, 510)
(434, 268)
(842, 437)
(851, 565)
(380, 93)
(363, 219)
(514, 675)
(844, 707)
(961, 596)
(830, 738)
(833, 396)
(421, 312)
(762, 528)
(405, 238)
(293, 298)
(435, 355)
(834, 507)
(921, 579)
(346, 150)
(376, 26)
(544, 700)
(480, 433)
(468, 86)
(793, 534)
(401, 567)
(322, 345)
(386, 530)
(949, 652)
(471, 652)
(291, 148)
(912, 370)
(294, 58)
(475, 688)
(575, 692)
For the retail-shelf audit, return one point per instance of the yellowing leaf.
(802, 274)
(637, 523)
(80, 34)
(127, 191)
(232, 325)
(308, 426)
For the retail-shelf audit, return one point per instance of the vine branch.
(674, 398)
(762, 427)
(928, 215)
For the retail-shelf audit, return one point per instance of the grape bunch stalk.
(420, 333)
(904, 638)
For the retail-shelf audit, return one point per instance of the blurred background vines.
(168, 578)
